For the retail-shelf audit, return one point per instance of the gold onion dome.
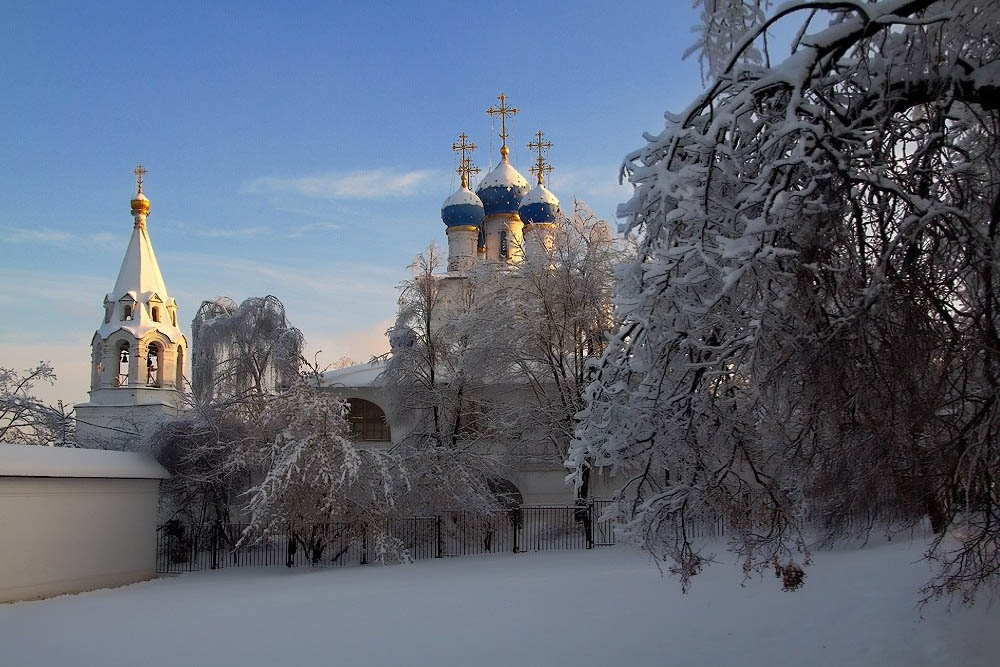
(140, 204)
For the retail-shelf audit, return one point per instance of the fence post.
(437, 528)
(513, 522)
(590, 525)
(364, 544)
(215, 546)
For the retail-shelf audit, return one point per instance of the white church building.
(139, 353)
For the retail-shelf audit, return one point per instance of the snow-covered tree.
(314, 475)
(809, 335)
(26, 419)
(245, 349)
(556, 313)
(242, 356)
(434, 381)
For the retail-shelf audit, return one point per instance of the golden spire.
(503, 111)
(465, 166)
(540, 168)
(139, 172)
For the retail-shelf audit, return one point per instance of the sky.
(294, 149)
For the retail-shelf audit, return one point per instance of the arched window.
(153, 362)
(156, 314)
(179, 382)
(368, 422)
(121, 379)
(173, 317)
(127, 312)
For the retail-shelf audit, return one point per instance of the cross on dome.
(540, 168)
(503, 111)
(465, 166)
(139, 172)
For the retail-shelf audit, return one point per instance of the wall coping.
(41, 461)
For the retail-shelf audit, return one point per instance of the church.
(138, 352)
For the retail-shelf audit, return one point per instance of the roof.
(40, 461)
(140, 278)
(503, 175)
(361, 375)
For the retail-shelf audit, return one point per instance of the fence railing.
(185, 547)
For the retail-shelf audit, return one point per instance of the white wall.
(61, 533)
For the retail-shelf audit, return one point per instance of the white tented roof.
(140, 278)
(39, 461)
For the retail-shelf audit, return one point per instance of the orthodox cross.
(465, 167)
(139, 172)
(540, 168)
(503, 111)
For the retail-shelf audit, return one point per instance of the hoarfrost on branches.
(434, 380)
(243, 349)
(809, 335)
(26, 419)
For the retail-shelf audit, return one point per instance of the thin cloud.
(312, 228)
(24, 235)
(360, 184)
(261, 231)
(255, 231)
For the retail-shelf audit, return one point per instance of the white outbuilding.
(75, 520)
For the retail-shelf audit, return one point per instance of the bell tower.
(138, 352)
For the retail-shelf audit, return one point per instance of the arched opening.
(506, 492)
(121, 379)
(179, 381)
(127, 311)
(173, 317)
(368, 421)
(156, 313)
(153, 363)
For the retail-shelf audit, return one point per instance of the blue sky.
(294, 149)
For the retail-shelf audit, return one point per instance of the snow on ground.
(580, 608)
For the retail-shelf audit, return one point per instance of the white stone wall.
(62, 533)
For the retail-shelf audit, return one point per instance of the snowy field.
(578, 608)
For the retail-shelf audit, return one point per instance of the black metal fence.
(184, 547)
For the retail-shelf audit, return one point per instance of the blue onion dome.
(502, 189)
(462, 208)
(539, 206)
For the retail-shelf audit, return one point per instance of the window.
(153, 365)
(126, 312)
(156, 314)
(121, 379)
(179, 382)
(173, 317)
(503, 245)
(368, 422)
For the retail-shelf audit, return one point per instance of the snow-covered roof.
(463, 196)
(140, 278)
(38, 461)
(539, 195)
(361, 375)
(503, 176)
